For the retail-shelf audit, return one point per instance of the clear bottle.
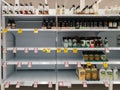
(115, 73)
(31, 8)
(5, 9)
(102, 74)
(106, 42)
(72, 9)
(40, 8)
(65, 42)
(63, 10)
(11, 9)
(13, 24)
(46, 9)
(26, 8)
(94, 71)
(16, 9)
(109, 74)
(58, 10)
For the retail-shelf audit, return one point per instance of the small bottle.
(21, 8)
(58, 10)
(44, 24)
(74, 41)
(72, 10)
(13, 25)
(94, 73)
(102, 74)
(87, 42)
(91, 56)
(31, 8)
(78, 9)
(9, 24)
(97, 56)
(88, 73)
(84, 9)
(103, 57)
(115, 73)
(109, 74)
(85, 55)
(46, 9)
(77, 26)
(92, 44)
(16, 9)
(83, 42)
(70, 42)
(40, 8)
(5, 9)
(65, 42)
(11, 9)
(63, 10)
(26, 9)
(106, 42)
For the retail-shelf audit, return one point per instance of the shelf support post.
(111, 86)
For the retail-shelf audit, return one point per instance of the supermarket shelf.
(70, 15)
(54, 48)
(34, 61)
(27, 78)
(71, 77)
(32, 29)
(67, 30)
(23, 15)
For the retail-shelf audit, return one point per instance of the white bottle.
(109, 74)
(102, 74)
(115, 73)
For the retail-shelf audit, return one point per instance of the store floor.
(74, 87)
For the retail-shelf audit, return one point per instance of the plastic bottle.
(115, 73)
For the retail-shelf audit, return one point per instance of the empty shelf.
(27, 78)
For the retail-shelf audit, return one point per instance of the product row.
(94, 56)
(91, 42)
(73, 24)
(90, 73)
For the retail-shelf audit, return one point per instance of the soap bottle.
(102, 74)
(115, 73)
(109, 74)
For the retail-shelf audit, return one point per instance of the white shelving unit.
(49, 67)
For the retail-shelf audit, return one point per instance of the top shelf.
(72, 15)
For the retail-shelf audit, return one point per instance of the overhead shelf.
(55, 48)
(27, 78)
(66, 30)
(59, 61)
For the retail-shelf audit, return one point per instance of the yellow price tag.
(89, 64)
(65, 50)
(44, 50)
(20, 31)
(35, 30)
(75, 50)
(5, 30)
(58, 50)
(48, 50)
(105, 65)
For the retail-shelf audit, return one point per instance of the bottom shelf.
(27, 78)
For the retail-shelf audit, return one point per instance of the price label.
(20, 31)
(89, 64)
(5, 30)
(58, 50)
(18, 85)
(105, 65)
(19, 64)
(106, 84)
(29, 64)
(4, 50)
(14, 50)
(84, 84)
(66, 64)
(4, 65)
(78, 64)
(7, 84)
(48, 50)
(75, 50)
(68, 84)
(65, 50)
(107, 50)
(50, 84)
(35, 85)
(61, 84)
(35, 50)
(26, 50)
(35, 30)
(44, 50)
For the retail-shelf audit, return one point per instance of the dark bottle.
(31, 9)
(21, 8)
(100, 42)
(9, 23)
(11, 8)
(77, 26)
(16, 9)
(54, 25)
(26, 9)
(13, 24)
(40, 8)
